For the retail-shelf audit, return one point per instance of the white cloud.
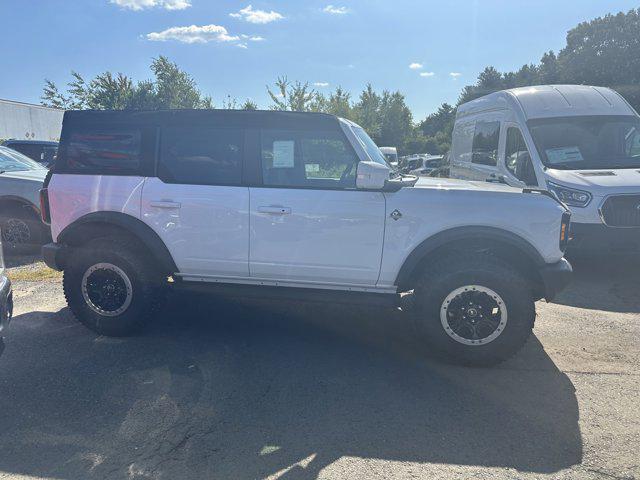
(252, 38)
(250, 15)
(242, 45)
(321, 84)
(194, 34)
(427, 74)
(455, 74)
(335, 10)
(416, 66)
(138, 5)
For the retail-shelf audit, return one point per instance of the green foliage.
(296, 96)
(171, 88)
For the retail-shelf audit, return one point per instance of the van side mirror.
(371, 175)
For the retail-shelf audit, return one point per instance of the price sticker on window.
(283, 151)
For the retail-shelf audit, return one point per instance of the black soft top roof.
(190, 117)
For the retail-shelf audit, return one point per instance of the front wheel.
(21, 229)
(112, 288)
(475, 310)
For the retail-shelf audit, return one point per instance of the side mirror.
(371, 175)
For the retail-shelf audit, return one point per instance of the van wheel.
(112, 287)
(475, 310)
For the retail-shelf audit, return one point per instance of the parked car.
(426, 165)
(391, 154)
(41, 151)
(20, 181)
(6, 300)
(301, 205)
(581, 143)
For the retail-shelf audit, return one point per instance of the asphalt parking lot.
(303, 391)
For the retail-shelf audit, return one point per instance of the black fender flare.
(440, 239)
(134, 226)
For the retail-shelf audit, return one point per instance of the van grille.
(621, 211)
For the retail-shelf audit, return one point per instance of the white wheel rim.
(458, 315)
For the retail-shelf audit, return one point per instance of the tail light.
(565, 230)
(44, 206)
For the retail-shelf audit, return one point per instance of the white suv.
(300, 204)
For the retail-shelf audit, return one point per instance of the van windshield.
(590, 142)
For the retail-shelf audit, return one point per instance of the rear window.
(109, 151)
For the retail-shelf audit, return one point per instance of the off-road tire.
(146, 282)
(452, 272)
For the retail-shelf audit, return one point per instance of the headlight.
(570, 196)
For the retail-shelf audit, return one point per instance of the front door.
(309, 225)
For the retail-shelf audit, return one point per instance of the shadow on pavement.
(608, 283)
(229, 390)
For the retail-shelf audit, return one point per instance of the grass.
(36, 272)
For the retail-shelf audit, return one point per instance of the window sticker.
(283, 153)
(312, 168)
(564, 154)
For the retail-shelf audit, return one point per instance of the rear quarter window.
(107, 150)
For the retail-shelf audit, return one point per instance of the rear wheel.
(112, 287)
(474, 310)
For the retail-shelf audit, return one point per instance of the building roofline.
(15, 102)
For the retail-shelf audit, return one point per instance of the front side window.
(591, 142)
(12, 161)
(485, 143)
(104, 150)
(307, 160)
(201, 156)
(517, 158)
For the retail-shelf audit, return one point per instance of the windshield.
(370, 146)
(12, 161)
(391, 157)
(594, 142)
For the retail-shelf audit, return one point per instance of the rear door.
(309, 224)
(197, 203)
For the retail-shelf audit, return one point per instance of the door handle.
(274, 210)
(165, 204)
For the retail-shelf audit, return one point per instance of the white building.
(25, 121)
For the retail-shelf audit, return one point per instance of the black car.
(41, 151)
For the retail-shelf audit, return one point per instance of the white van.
(391, 154)
(581, 143)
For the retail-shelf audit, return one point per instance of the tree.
(296, 96)
(396, 125)
(606, 52)
(366, 112)
(441, 120)
(339, 103)
(171, 88)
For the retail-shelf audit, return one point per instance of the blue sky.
(237, 48)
